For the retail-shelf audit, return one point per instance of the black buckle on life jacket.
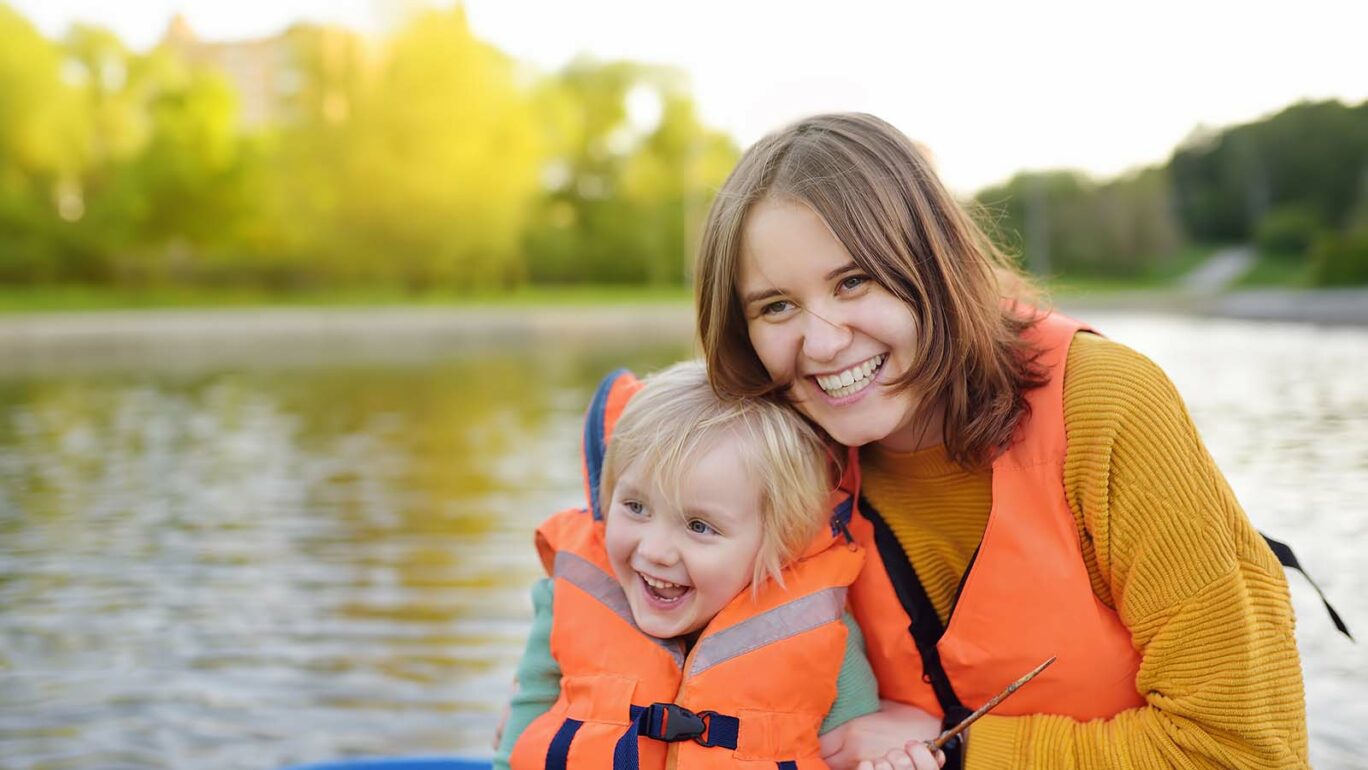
(672, 722)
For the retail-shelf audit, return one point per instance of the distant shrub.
(1288, 232)
(1341, 259)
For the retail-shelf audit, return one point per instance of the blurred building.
(307, 68)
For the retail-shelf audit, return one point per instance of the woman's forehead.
(784, 241)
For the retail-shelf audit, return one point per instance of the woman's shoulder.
(1107, 382)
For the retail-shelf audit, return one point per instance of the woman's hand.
(891, 737)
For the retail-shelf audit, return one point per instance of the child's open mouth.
(664, 591)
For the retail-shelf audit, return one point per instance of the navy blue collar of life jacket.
(595, 432)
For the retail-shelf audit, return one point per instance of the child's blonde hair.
(677, 416)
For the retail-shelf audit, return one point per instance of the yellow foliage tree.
(443, 161)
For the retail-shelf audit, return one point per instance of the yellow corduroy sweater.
(1166, 545)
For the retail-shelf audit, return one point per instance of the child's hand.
(915, 755)
(894, 724)
(503, 717)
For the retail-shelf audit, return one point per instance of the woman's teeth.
(851, 380)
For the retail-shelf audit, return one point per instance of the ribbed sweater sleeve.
(1205, 600)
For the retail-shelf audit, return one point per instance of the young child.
(695, 612)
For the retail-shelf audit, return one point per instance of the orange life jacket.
(751, 693)
(1025, 597)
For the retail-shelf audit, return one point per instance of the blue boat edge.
(401, 763)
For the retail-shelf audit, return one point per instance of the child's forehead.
(717, 475)
(720, 478)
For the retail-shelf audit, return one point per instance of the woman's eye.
(776, 307)
(700, 527)
(854, 281)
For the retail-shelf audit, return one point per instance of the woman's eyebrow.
(763, 294)
(846, 268)
(759, 295)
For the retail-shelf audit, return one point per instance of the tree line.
(426, 159)
(1295, 184)
(430, 159)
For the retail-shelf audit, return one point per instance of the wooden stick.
(945, 737)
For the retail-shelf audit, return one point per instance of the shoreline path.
(194, 338)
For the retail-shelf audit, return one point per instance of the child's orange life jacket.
(751, 693)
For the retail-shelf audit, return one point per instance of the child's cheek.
(617, 543)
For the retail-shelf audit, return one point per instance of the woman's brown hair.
(879, 195)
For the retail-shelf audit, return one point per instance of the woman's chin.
(853, 433)
(857, 438)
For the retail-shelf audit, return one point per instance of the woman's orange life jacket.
(1025, 597)
(751, 693)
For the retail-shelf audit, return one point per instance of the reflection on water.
(263, 565)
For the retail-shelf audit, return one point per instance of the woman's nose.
(824, 336)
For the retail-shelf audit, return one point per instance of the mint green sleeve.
(539, 675)
(857, 691)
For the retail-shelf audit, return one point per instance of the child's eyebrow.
(624, 488)
(711, 514)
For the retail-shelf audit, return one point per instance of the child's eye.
(635, 507)
(700, 527)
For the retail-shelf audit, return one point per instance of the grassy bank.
(39, 299)
(1279, 271)
(1164, 274)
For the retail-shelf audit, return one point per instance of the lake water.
(294, 555)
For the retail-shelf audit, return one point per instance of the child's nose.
(657, 546)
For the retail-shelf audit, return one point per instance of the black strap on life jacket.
(926, 628)
(1289, 560)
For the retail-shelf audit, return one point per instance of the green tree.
(298, 173)
(1309, 156)
(441, 165)
(623, 201)
(1065, 223)
(40, 154)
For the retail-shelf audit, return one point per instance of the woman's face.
(817, 321)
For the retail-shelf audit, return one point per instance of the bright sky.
(990, 87)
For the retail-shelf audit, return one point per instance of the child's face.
(679, 568)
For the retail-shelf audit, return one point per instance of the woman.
(1030, 489)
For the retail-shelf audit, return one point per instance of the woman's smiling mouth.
(850, 381)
